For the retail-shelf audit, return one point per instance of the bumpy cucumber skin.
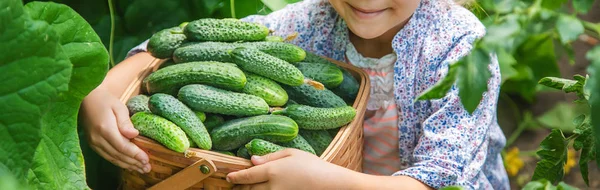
(167, 63)
(313, 118)
(201, 115)
(162, 44)
(262, 147)
(225, 30)
(266, 89)
(138, 103)
(213, 121)
(170, 79)
(192, 143)
(209, 99)
(308, 95)
(319, 140)
(169, 107)
(219, 51)
(265, 65)
(237, 132)
(327, 74)
(161, 130)
(243, 152)
(299, 143)
(273, 39)
(348, 89)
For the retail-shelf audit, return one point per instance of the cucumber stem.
(276, 110)
(315, 84)
(291, 37)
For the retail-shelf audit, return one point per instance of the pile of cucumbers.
(229, 87)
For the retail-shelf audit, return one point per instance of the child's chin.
(367, 32)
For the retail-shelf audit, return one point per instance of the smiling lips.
(366, 14)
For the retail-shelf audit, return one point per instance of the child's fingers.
(125, 146)
(258, 160)
(110, 150)
(123, 122)
(256, 174)
(115, 161)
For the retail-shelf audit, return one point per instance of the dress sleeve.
(453, 144)
(283, 22)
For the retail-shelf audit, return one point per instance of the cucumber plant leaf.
(441, 88)
(582, 6)
(35, 71)
(473, 77)
(553, 156)
(593, 84)
(585, 143)
(58, 161)
(569, 28)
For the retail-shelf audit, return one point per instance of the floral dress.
(436, 141)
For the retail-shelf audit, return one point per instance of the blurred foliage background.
(539, 38)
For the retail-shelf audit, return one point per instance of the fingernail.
(141, 172)
(227, 179)
(256, 158)
(146, 168)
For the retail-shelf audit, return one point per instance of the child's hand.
(291, 169)
(108, 129)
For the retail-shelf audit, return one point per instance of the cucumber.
(349, 87)
(170, 79)
(327, 74)
(162, 44)
(201, 115)
(225, 30)
(138, 103)
(273, 39)
(265, 65)
(237, 132)
(219, 51)
(313, 118)
(212, 121)
(243, 152)
(319, 140)
(266, 89)
(167, 63)
(333, 132)
(225, 152)
(308, 95)
(192, 143)
(161, 130)
(262, 147)
(209, 99)
(169, 107)
(299, 143)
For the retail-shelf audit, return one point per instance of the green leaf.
(452, 188)
(58, 162)
(585, 143)
(9, 181)
(35, 71)
(582, 6)
(502, 35)
(144, 19)
(542, 184)
(506, 62)
(553, 156)
(560, 117)
(558, 83)
(593, 83)
(569, 28)
(553, 4)
(473, 75)
(278, 4)
(441, 88)
(564, 186)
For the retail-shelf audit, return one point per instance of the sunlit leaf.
(473, 75)
(554, 155)
(553, 4)
(569, 28)
(278, 4)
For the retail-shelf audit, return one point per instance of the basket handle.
(188, 177)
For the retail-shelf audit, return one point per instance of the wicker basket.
(207, 170)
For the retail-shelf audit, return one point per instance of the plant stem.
(516, 133)
(232, 6)
(528, 153)
(112, 33)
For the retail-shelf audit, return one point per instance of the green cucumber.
(308, 95)
(265, 65)
(349, 87)
(328, 75)
(212, 121)
(209, 99)
(201, 115)
(162, 44)
(313, 118)
(219, 51)
(273, 39)
(237, 132)
(170, 79)
(299, 143)
(319, 140)
(224, 30)
(169, 107)
(243, 152)
(161, 130)
(138, 103)
(167, 63)
(333, 132)
(266, 89)
(192, 143)
(262, 147)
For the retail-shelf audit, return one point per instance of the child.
(405, 46)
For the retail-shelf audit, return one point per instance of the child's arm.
(106, 120)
